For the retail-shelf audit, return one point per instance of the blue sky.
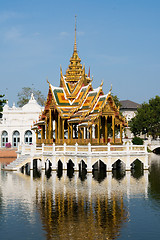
(118, 39)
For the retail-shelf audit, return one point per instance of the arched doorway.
(16, 138)
(28, 137)
(4, 138)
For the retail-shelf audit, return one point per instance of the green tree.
(116, 100)
(2, 102)
(25, 94)
(147, 119)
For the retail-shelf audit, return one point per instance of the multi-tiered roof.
(76, 101)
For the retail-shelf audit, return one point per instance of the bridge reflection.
(76, 205)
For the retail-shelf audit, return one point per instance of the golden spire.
(75, 44)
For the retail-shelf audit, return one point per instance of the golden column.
(63, 130)
(71, 132)
(106, 130)
(113, 128)
(36, 135)
(121, 133)
(98, 131)
(42, 132)
(68, 131)
(59, 128)
(79, 133)
(90, 133)
(50, 125)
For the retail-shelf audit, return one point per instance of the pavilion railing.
(94, 141)
(128, 148)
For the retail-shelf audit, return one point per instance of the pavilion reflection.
(66, 216)
(77, 205)
(85, 207)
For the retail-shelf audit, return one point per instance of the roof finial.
(75, 45)
(110, 89)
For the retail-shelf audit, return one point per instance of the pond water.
(69, 205)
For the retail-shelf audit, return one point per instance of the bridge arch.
(82, 165)
(156, 150)
(137, 168)
(59, 165)
(119, 163)
(137, 160)
(99, 165)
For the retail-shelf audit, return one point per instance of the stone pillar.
(54, 165)
(31, 164)
(89, 165)
(109, 164)
(65, 165)
(76, 167)
(146, 165)
(47, 164)
(54, 149)
(43, 163)
(128, 164)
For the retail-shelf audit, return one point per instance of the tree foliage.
(137, 141)
(25, 94)
(116, 100)
(147, 119)
(2, 102)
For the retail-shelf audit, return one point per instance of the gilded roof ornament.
(75, 44)
(110, 89)
(101, 84)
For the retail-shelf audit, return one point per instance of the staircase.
(18, 163)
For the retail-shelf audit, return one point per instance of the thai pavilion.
(76, 113)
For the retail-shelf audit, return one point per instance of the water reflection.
(64, 214)
(76, 205)
(154, 179)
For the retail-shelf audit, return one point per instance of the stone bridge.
(79, 157)
(153, 144)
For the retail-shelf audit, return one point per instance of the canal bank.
(7, 155)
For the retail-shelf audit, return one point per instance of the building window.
(28, 137)
(16, 138)
(4, 138)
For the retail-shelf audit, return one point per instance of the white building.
(129, 109)
(15, 125)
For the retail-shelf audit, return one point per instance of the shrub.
(137, 141)
(8, 145)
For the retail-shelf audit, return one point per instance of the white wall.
(19, 119)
